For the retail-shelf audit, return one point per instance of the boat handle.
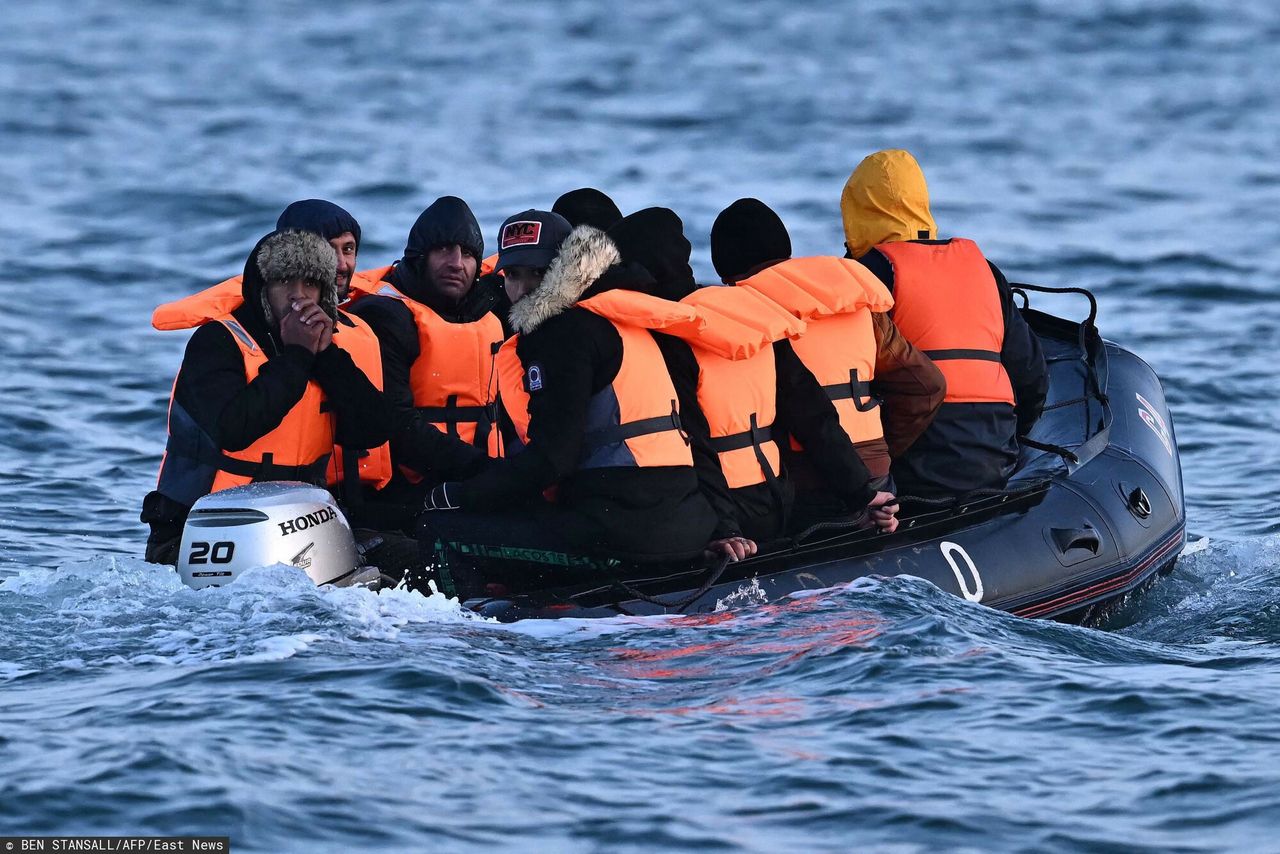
(1139, 503)
(1086, 537)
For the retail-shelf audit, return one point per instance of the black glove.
(438, 498)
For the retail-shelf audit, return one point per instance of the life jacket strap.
(451, 415)
(351, 487)
(239, 331)
(856, 390)
(633, 429)
(974, 355)
(266, 469)
(753, 437)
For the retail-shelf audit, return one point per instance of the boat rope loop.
(716, 571)
(959, 502)
(1066, 453)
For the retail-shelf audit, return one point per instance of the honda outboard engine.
(262, 524)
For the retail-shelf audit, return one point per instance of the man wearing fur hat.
(262, 393)
(356, 475)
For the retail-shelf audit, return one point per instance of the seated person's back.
(957, 307)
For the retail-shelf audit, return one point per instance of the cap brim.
(524, 256)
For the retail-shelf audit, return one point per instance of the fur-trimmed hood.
(584, 257)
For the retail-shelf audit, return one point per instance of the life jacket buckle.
(679, 427)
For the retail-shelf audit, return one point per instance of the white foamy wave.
(1195, 545)
(1224, 589)
(10, 670)
(574, 629)
(861, 584)
(107, 576)
(280, 648)
(382, 615)
(124, 612)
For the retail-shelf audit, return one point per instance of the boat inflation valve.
(1139, 503)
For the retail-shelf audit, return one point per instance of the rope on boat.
(1066, 453)
(680, 605)
(1092, 386)
(961, 501)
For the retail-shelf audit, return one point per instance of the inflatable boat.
(1094, 511)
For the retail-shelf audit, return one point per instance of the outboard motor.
(262, 524)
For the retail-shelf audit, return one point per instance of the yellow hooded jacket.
(960, 326)
(885, 200)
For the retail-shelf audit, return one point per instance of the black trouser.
(764, 508)
(163, 544)
(968, 446)
(166, 518)
(536, 546)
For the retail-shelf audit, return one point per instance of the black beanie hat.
(319, 217)
(745, 235)
(588, 206)
(447, 220)
(654, 239)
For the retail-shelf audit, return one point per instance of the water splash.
(109, 610)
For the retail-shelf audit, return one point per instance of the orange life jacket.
(297, 449)
(226, 296)
(946, 302)
(453, 379)
(739, 400)
(373, 466)
(635, 421)
(513, 391)
(738, 380)
(836, 298)
(513, 397)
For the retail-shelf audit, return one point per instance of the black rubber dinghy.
(1094, 511)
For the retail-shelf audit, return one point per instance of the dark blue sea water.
(1128, 146)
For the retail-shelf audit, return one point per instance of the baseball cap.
(531, 238)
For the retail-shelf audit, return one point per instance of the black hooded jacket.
(493, 292)
(415, 440)
(234, 413)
